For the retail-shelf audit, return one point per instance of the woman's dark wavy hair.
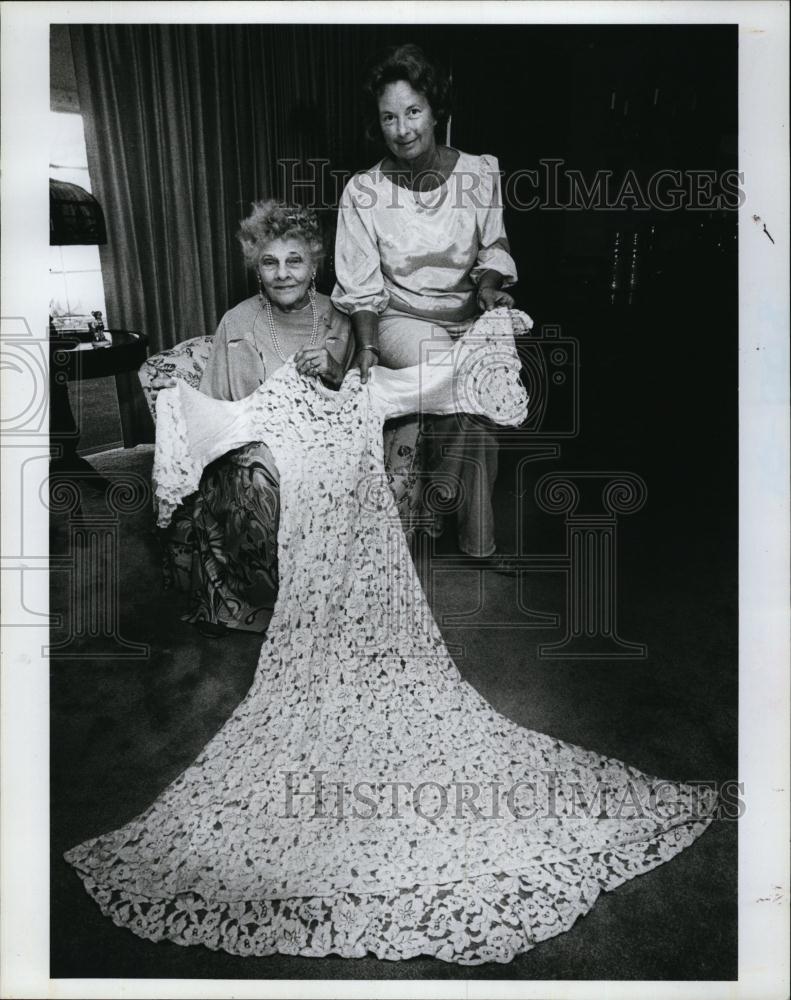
(405, 62)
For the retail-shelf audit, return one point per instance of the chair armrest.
(184, 361)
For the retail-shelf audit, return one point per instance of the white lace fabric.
(283, 835)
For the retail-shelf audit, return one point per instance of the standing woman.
(420, 252)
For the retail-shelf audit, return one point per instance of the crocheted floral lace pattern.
(363, 797)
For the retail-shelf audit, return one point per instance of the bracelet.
(370, 347)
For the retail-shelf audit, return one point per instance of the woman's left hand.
(494, 298)
(319, 361)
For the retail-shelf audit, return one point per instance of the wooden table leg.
(136, 423)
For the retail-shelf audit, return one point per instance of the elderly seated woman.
(234, 518)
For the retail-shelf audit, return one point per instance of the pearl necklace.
(273, 330)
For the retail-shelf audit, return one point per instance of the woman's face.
(407, 121)
(286, 268)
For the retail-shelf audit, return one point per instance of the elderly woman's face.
(407, 121)
(286, 269)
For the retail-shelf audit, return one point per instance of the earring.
(312, 290)
(261, 295)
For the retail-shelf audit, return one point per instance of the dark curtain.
(185, 126)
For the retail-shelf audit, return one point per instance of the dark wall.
(645, 98)
(642, 98)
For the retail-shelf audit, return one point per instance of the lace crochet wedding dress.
(363, 797)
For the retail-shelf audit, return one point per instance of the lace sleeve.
(479, 375)
(192, 431)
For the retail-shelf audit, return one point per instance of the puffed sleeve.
(479, 375)
(359, 284)
(494, 253)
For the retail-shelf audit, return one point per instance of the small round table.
(123, 351)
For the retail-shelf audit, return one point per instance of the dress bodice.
(421, 253)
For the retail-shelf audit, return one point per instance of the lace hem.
(488, 918)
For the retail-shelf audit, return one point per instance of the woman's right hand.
(365, 359)
(365, 326)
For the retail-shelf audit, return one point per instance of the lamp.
(75, 216)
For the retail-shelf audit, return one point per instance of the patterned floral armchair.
(186, 361)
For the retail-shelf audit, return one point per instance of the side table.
(74, 357)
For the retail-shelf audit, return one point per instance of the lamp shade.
(75, 217)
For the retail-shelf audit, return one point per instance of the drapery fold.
(186, 125)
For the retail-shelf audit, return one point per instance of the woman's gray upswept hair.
(275, 220)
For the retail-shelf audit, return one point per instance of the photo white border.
(764, 499)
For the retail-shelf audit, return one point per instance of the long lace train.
(363, 797)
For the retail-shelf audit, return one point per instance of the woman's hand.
(365, 326)
(319, 361)
(365, 359)
(494, 298)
